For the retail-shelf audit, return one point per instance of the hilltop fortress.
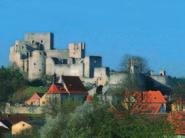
(36, 56)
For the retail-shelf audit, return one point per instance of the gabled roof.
(53, 89)
(13, 119)
(148, 102)
(69, 85)
(5, 124)
(150, 97)
(39, 94)
(74, 84)
(56, 88)
(35, 97)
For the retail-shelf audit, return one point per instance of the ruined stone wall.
(101, 75)
(12, 55)
(70, 70)
(61, 54)
(50, 66)
(117, 78)
(101, 72)
(90, 63)
(44, 38)
(77, 70)
(36, 65)
(76, 50)
(36, 56)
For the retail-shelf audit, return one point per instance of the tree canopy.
(10, 80)
(97, 120)
(138, 62)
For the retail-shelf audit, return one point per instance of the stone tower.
(36, 56)
(45, 39)
(76, 50)
(36, 65)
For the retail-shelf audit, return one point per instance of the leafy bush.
(97, 121)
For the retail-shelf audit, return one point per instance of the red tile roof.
(35, 98)
(150, 97)
(56, 88)
(148, 102)
(146, 108)
(71, 85)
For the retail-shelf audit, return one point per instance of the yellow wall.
(19, 127)
(44, 100)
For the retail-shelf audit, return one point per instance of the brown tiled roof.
(6, 122)
(74, 84)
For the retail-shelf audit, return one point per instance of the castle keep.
(36, 56)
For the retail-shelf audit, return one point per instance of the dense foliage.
(97, 120)
(136, 61)
(26, 92)
(10, 81)
(178, 86)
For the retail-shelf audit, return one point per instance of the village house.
(21, 127)
(149, 102)
(35, 99)
(16, 124)
(68, 87)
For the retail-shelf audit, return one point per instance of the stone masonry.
(36, 56)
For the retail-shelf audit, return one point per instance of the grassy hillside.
(30, 90)
(25, 93)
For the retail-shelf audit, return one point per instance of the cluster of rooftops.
(146, 103)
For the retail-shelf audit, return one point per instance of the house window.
(41, 41)
(34, 64)
(23, 125)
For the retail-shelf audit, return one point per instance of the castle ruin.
(36, 56)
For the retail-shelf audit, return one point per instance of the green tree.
(11, 80)
(97, 120)
(138, 62)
